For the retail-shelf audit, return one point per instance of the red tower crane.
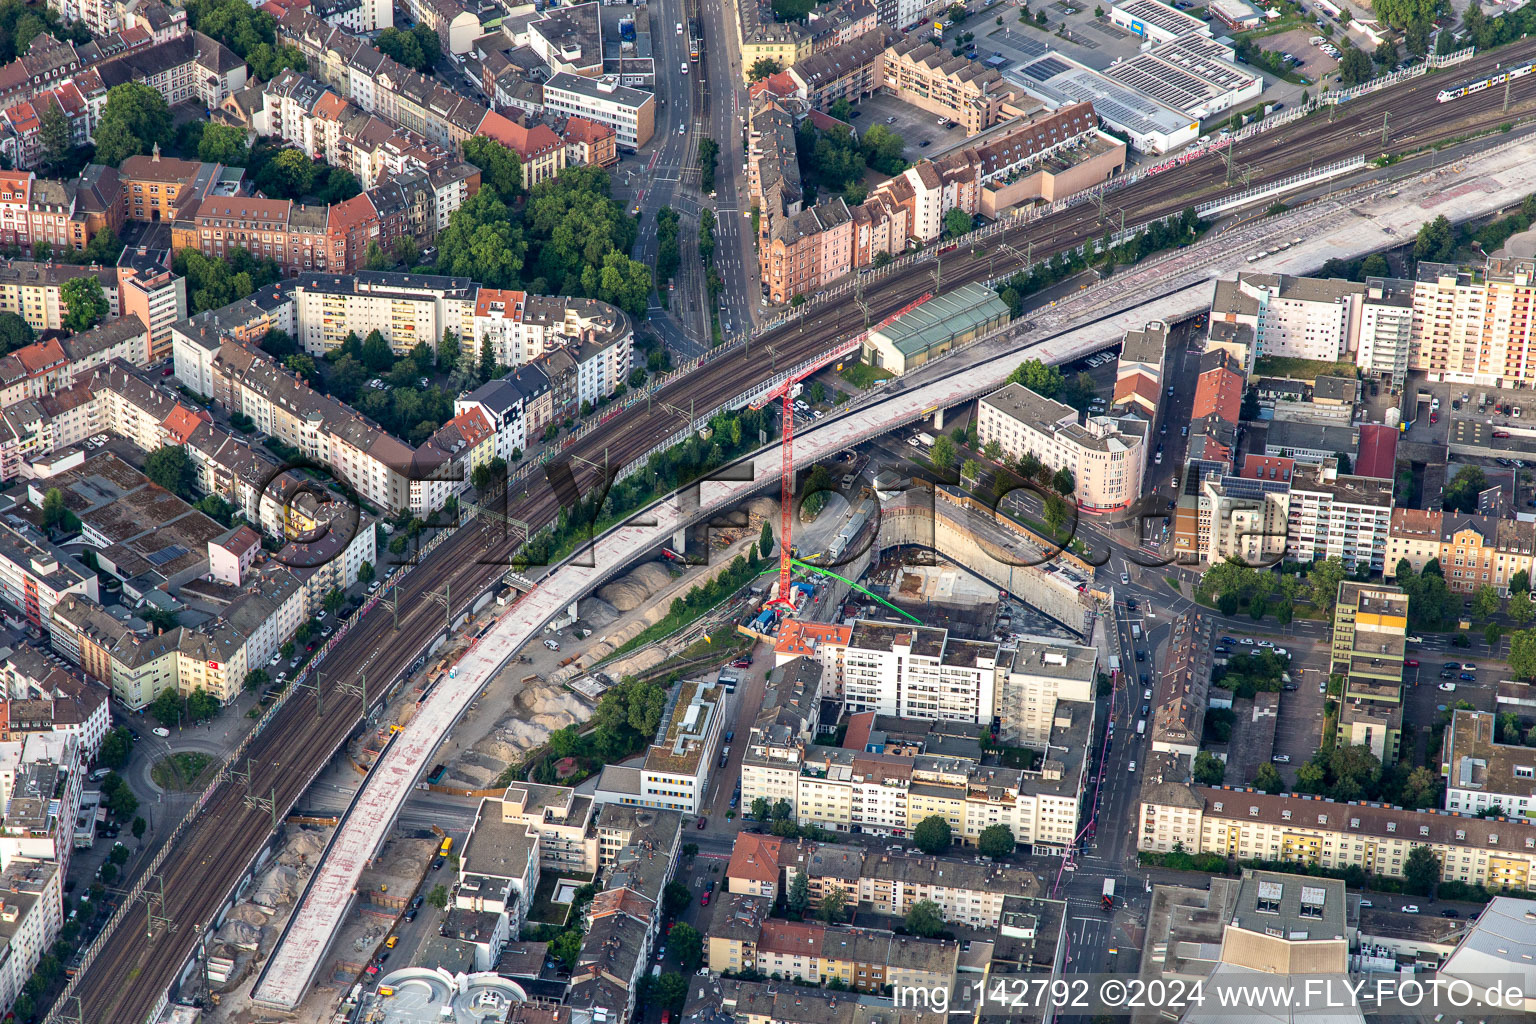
(785, 390)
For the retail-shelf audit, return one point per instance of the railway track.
(134, 967)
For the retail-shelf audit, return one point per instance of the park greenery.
(84, 302)
(171, 468)
(668, 255)
(625, 720)
(134, 121)
(215, 283)
(568, 236)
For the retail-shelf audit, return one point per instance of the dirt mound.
(537, 712)
(249, 914)
(276, 888)
(302, 847)
(240, 935)
(596, 612)
(631, 591)
(763, 508)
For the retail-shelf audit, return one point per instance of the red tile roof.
(41, 356)
(801, 638)
(1377, 457)
(860, 725)
(798, 939)
(755, 857)
(1267, 467)
(1219, 391)
(183, 420)
(579, 129)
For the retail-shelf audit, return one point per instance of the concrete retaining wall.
(939, 530)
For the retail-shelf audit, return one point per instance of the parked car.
(703, 821)
(1281, 759)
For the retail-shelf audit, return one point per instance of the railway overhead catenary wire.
(130, 974)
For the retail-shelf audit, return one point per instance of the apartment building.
(888, 789)
(1182, 691)
(35, 575)
(631, 113)
(499, 870)
(1385, 345)
(823, 643)
(65, 214)
(638, 849)
(406, 309)
(1413, 534)
(1482, 551)
(327, 126)
(849, 71)
(1038, 677)
(31, 913)
(1105, 456)
(676, 771)
(1337, 515)
(148, 289)
(32, 291)
(925, 74)
(1370, 630)
(1484, 771)
(1377, 838)
(752, 1002)
(919, 672)
(589, 144)
(45, 695)
(967, 892)
(1139, 372)
(1471, 325)
(863, 959)
(382, 86)
(187, 67)
(806, 251)
(1293, 317)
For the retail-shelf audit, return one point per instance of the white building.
(1293, 317)
(34, 575)
(919, 672)
(629, 112)
(676, 772)
(1037, 677)
(1386, 328)
(1333, 515)
(1482, 773)
(1106, 456)
(1155, 21)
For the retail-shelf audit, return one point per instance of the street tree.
(1421, 871)
(995, 841)
(932, 834)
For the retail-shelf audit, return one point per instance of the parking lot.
(913, 124)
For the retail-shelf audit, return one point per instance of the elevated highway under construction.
(126, 976)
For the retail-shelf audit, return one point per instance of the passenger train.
(1455, 92)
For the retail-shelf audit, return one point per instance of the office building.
(1106, 456)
